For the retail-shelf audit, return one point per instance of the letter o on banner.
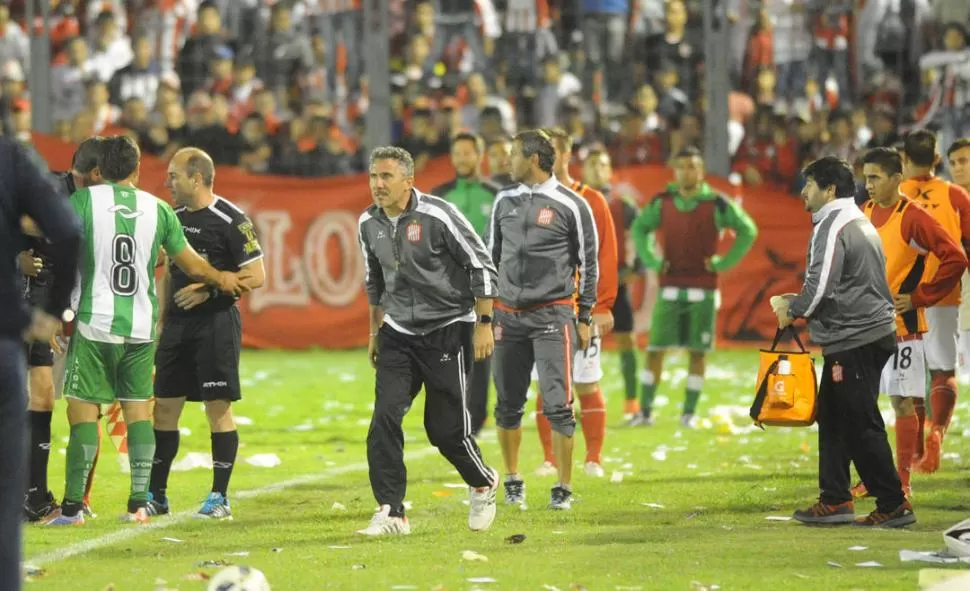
(334, 269)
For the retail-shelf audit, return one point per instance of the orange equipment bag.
(787, 394)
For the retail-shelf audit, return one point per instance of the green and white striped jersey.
(122, 231)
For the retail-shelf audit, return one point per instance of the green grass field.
(689, 512)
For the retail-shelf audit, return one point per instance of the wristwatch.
(484, 319)
(587, 320)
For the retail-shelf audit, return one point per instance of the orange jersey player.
(587, 369)
(909, 236)
(949, 205)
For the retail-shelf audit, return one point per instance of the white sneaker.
(595, 470)
(547, 469)
(481, 512)
(383, 524)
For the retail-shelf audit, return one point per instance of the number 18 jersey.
(123, 229)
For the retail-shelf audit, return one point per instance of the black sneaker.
(562, 499)
(901, 517)
(156, 507)
(822, 514)
(515, 492)
(37, 507)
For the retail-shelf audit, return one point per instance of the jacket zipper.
(525, 242)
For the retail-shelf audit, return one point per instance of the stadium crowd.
(278, 87)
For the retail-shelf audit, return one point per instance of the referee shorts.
(198, 357)
(38, 354)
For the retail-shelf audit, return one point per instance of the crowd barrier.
(314, 297)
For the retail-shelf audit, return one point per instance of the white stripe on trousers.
(467, 420)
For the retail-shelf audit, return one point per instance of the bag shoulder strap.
(759, 399)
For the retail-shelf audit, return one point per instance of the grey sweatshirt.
(846, 296)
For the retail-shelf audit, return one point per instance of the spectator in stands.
(193, 59)
(209, 129)
(839, 140)
(831, 32)
(769, 154)
(110, 47)
(499, 156)
(480, 97)
(631, 146)
(103, 113)
(685, 131)
(134, 116)
(281, 53)
(646, 102)
(255, 151)
(884, 134)
(455, 19)
(220, 71)
(792, 45)
(674, 49)
(316, 82)
(14, 91)
(341, 25)
(139, 79)
(67, 83)
(555, 87)
(759, 52)
(527, 42)
(673, 100)
(14, 44)
(604, 24)
(492, 124)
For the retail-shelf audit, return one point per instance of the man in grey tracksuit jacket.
(543, 239)
(849, 307)
(427, 272)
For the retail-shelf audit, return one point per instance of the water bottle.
(784, 366)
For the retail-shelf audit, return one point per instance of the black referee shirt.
(25, 190)
(225, 237)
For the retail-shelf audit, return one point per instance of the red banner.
(314, 294)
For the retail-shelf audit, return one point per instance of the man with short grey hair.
(430, 284)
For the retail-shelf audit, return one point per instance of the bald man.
(201, 331)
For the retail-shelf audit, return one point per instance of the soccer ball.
(239, 578)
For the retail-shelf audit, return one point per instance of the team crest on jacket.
(545, 216)
(414, 232)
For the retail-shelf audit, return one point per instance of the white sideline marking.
(164, 521)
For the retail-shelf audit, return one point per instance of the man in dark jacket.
(430, 284)
(25, 192)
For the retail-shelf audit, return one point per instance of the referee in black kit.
(201, 331)
(430, 284)
(35, 264)
(25, 191)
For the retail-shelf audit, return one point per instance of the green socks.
(628, 364)
(81, 449)
(648, 389)
(693, 394)
(141, 451)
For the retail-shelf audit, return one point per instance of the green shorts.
(101, 373)
(683, 319)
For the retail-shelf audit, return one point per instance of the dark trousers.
(441, 361)
(13, 458)
(478, 393)
(850, 427)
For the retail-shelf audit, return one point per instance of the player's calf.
(39, 501)
(225, 447)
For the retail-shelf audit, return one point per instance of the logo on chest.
(545, 216)
(414, 232)
(192, 229)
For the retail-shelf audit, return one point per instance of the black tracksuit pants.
(441, 361)
(851, 429)
(478, 393)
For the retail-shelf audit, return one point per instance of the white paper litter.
(869, 564)
(653, 505)
(244, 421)
(473, 556)
(455, 485)
(940, 557)
(348, 377)
(173, 540)
(339, 547)
(193, 460)
(834, 564)
(858, 548)
(616, 477)
(237, 553)
(627, 466)
(407, 505)
(264, 460)
(551, 588)
(659, 454)
(338, 506)
(691, 466)
(185, 431)
(778, 518)
(302, 427)
(482, 580)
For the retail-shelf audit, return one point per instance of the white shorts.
(963, 359)
(905, 372)
(587, 368)
(941, 338)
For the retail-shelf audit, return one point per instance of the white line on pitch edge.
(163, 522)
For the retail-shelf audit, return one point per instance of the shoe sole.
(211, 517)
(893, 523)
(485, 526)
(827, 520)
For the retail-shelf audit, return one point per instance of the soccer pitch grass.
(689, 512)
